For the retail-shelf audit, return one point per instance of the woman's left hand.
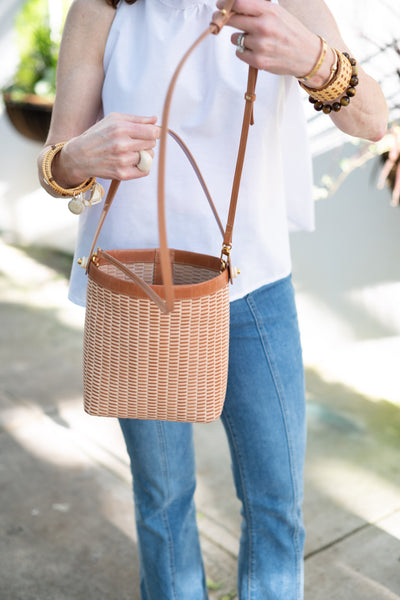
(275, 40)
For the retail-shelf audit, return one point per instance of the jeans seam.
(161, 437)
(275, 377)
(246, 503)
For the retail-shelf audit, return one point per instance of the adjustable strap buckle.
(225, 256)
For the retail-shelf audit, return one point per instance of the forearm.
(79, 83)
(109, 147)
(367, 114)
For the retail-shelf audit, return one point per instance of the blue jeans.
(264, 419)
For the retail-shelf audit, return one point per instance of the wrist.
(316, 48)
(340, 87)
(325, 72)
(66, 169)
(66, 190)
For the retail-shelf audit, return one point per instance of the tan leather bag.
(156, 337)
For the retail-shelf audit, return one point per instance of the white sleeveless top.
(146, 41)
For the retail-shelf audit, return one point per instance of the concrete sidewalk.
(66, 517)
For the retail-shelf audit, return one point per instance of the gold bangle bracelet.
(334, 67)
(332, 71)
(337, 85)
(319, 62)
(49, 179)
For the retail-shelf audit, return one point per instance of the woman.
(114, 68)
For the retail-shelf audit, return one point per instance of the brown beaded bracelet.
(349, 92)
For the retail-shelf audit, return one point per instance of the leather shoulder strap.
(166, 268)
(167, 305)
(248, 120)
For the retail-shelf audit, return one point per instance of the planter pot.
(30, 115)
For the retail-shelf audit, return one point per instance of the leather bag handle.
(167, 304)
(115, 184)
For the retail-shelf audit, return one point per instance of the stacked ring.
(240, 47)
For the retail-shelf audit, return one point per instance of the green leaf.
(229, 596)
(38, 52)
(214, 585)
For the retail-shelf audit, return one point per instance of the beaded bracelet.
(344, 82)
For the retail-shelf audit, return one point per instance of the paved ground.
(66, 517)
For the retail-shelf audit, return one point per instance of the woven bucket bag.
(156, 335)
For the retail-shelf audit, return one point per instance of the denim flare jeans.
(264, 419)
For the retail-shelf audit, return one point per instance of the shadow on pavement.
(67, 516)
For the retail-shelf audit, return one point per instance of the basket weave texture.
(141, 363)
(335, 88)
(156, 339)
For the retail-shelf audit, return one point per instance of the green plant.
(37, 39)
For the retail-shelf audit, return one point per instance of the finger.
(135, 145)
(145, 121)
(247, 43)
(128, 167)
(246, 56)
(137, 157)
(132, 118)
(246, 7)
(216, 15)
(142, 131)
(132, 159)
(245, 23)
(143, 165)
(135, 127)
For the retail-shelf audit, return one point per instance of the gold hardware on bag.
(83, 262)
(95, 259)
(226, 252)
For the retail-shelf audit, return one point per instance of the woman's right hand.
(109, 149)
